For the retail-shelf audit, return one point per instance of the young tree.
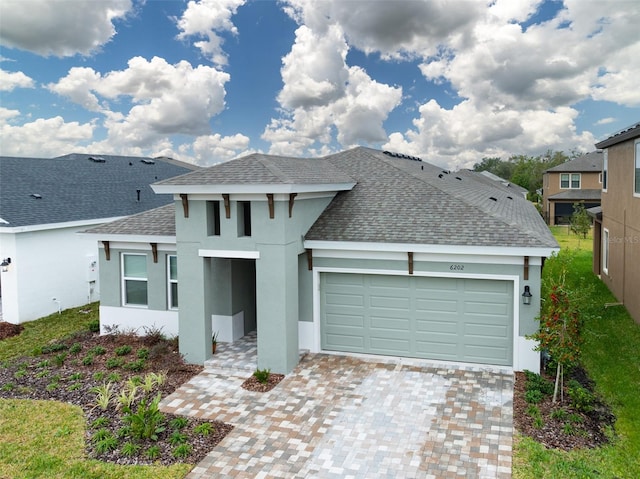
(560, 318)
(580, 221)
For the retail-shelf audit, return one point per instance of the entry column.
(277, 307)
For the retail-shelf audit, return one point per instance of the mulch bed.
(574, 429)
(9, 329)
(252, 384)
(43, 377)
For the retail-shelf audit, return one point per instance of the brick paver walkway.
(346, 417)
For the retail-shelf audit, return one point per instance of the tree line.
(523, 170)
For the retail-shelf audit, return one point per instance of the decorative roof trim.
(250, 188)
(427, 248)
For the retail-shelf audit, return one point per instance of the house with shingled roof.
(44, 203)
(575, 181)
(361, 252)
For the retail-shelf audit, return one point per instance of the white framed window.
(605, 169)
(605, 251)
(172, 281)
(134, 279)
(600, 177)
(636, 171)
(570, 181)
(244, 218)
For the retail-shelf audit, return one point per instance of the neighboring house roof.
(578, 195)
(394, 200)
(259, 169)
(623, 135)
(403, 201)
(156, 222)
(36, 191)
(590, 162)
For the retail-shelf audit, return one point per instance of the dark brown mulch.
(252, 384)
(62, 375)
(575, 429)
(9, 329)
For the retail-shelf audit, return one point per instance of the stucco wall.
(47, 264)
(621, 217)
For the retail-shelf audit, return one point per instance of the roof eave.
(253, 188)
(539, 251)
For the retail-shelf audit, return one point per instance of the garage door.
(468, 320)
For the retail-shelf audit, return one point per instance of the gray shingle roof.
(265, 169)
(625, 134)
(501, 181)
(74, 188)
(585, 163)
(394, 201)
(156, 222)
(403, 201)
(577, 195)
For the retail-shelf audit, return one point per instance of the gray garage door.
(468, 320)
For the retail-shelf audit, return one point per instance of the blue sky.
(209, 80)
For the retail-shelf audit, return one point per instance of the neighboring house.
(616, 239)
(575, 181)
(362, 251)
(44, 202)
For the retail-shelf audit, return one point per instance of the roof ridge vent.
(97, 159)
(147, 161)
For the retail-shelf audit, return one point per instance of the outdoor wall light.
(5, 264)
(526, 296)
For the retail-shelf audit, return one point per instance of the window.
(636, 189)
(570, 180)
(244, 218)
(213, 218)
(134, 279)
(600, 178)
(172, 278)
(605, 169)
(605, 251)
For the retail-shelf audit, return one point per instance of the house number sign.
(456, 267)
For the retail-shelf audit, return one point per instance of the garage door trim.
(317, 271)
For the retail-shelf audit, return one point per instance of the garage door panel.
(436, 305)
(355, 343)
(389, 346)
(345, 320)
(455, 319)
(400, 324)
(345, 299)
(390, 302)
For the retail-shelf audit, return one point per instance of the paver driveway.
(339, 416)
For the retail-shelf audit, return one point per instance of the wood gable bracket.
(410, 259)
(310, 259)
(185, 204)
(154, 251)
(107, 250)
(271, 208)
(526, 268)
(227, 206)
(292, 197)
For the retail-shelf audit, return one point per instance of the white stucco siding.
(48, 264)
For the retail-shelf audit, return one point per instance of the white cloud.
(167, 99)
(206, 19)
(322, 96)
(11, 80)
(212, 149)
(59, 28)
(44, 137)
(6, 114)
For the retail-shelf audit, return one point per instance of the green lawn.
(45, 439)
(611, 355)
